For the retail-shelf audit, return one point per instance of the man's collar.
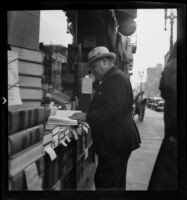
(109, 72)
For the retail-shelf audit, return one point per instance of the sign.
(87, 86)
(14, 97)
(56, 130)
(32, 178)
(55, 141)
(127, 27)
(51, 153)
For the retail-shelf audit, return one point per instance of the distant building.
(151, 87)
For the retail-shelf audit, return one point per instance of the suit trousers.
(111, 171)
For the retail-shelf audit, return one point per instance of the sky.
(153, 41)
(53, 28)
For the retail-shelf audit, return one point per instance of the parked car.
(160, 106)
(152, 102)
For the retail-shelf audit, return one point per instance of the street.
(142, 160)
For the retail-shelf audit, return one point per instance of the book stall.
(45, 153)
(46, 149)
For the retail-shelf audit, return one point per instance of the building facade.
(111, 28)
(151, 87)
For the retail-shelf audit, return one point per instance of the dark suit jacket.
(109, 116)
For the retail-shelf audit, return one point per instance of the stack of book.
(30, 69)
(25, 143)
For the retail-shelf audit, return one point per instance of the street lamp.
(171, 17)
(141, 73)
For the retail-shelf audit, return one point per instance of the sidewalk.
(142, 160)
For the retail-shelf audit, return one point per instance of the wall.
(23, 29)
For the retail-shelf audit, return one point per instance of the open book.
(61, 117)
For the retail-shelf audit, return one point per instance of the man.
(113, 130)
(140, 104)
(165, 172)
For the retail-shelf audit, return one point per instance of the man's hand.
(79, 116)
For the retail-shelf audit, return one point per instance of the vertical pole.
(165, 18)
(171, 36)
(76, 21)
(141, 87)
(76, 81)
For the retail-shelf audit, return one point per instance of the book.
(47, 138)
(21, 160)
(30, 81)
(30, 68)
(62, 121)
(14, 97)
(34, 103)
(31, 93)
(51, 174)
(28, 55)
(18, 182)
(61, 117)
(24, 139)
(22, 117)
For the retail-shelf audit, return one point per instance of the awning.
(130, 12)
(125, 19)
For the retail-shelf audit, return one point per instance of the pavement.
(142, 160)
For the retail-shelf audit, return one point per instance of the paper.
(63, 143)
(67, 131)
(61, 135)
(47, 138)
(51, 153)
(53, 110)
(55, 141)
(55, 130)
(32, 178)
(75, 135)
(66, 113)
(68, 106)
(14, 97)
(67, 138)
(87, 86)
(62, 118)
(79, 131)
(85, 129)
(85, 153)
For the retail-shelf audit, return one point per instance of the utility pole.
(141, 73)
(171, 17)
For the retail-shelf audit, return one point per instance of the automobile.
(160, 106)
(152, 102)
(155, 102)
